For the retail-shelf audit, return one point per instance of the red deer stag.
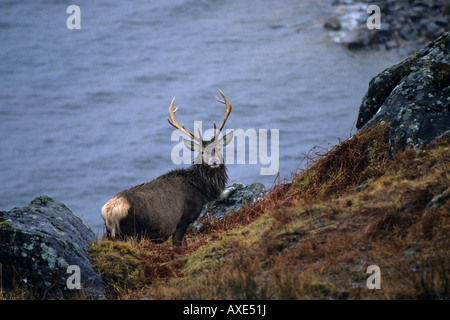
(167, 205)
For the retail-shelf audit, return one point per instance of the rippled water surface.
(83, 112)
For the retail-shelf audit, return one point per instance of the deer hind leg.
(113, 212)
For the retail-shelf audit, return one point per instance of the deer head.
(210, 151)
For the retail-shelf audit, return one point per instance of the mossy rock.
(119, 264)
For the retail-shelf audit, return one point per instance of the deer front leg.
(177, 237)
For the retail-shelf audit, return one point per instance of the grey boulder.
(414, 96)
(43, 247)
(233, 198)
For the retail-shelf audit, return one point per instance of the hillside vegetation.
(312, 237)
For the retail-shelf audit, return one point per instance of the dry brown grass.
(313, 237)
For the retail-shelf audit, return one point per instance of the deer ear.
(227, 138)
(191, 145)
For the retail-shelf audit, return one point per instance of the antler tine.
(227, 109)
(175, 124)
(199, 132)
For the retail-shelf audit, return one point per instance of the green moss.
(57, 227)
(118, 263)
(302, 181)
(6, 224)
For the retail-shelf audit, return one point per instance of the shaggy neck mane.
(209, 182)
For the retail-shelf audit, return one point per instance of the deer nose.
(214, 162)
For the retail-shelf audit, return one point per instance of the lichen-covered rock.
(414, 96)
(37, 245)
(233, 198)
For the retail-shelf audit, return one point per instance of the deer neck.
(209, 182)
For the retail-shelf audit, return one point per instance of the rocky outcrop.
(233, 198)
(403, 21)
(414, 96)
(38, 243)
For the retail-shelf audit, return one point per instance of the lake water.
(83, 112)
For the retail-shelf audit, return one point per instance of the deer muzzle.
(214, 162)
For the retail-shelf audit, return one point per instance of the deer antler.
(227, 112)
(175, 124)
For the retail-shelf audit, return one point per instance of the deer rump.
(155, 210)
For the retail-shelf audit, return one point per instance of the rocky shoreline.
(403, 23)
